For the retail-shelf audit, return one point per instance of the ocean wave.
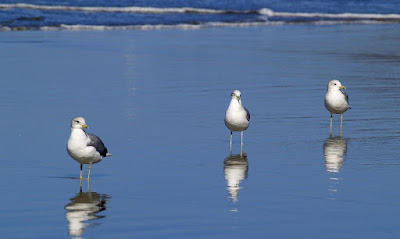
(132, 9)
(271, 13)
(261, 17)
(143, 27)
(80, 27)
(184, 10)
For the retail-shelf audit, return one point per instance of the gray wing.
(346, 96)
(98, 144)
(248, 113)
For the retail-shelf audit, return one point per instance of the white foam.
(266, 11)
(184, 26)
(158, 27)
(5, 29)
(271, 13)
(132, 9)
(129, 27)
(244, 24)
(182, 10)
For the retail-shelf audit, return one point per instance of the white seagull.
(84, 147)
(237, 117)
(336, 101)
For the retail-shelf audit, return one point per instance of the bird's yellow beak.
(342, 87)
(85, 126)
(238, 97)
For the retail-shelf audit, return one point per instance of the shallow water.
(157, 99)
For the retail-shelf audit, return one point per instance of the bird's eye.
(77, 121)
(335, 83)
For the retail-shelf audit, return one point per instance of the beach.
(157, 99)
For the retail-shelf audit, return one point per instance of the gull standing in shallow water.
(237, 117)
(336, 101)
(84, 147)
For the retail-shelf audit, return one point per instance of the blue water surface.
(158, 98)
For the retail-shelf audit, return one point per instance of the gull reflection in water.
(236, 169)
(335, 150)
(83, 209)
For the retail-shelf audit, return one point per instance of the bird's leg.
(341, 124)
(80, 188)
(230, 143)
(88, 182)
(90, 168)
(81, 172)
(241, 142)
(330, 128)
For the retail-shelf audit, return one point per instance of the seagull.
(84, 147)
(237, 117)
(336, 101)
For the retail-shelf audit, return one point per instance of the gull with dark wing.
(336, 101)
(237, 117)
(85, 148)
